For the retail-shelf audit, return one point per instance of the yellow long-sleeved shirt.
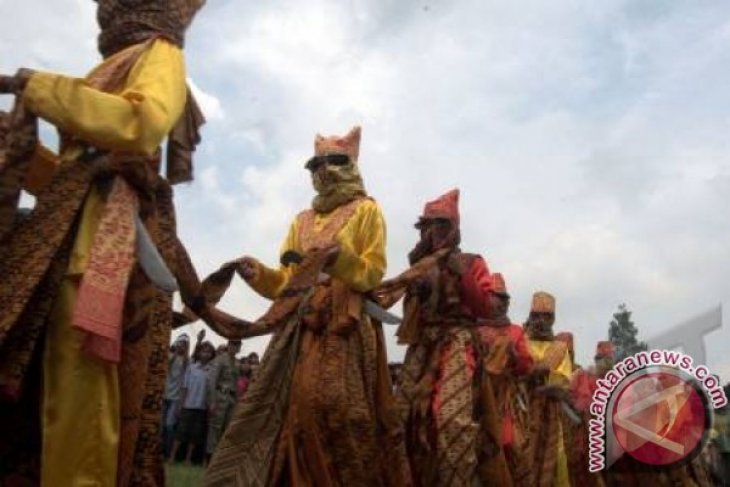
(560, 375)
(134, 119)
(360, 264)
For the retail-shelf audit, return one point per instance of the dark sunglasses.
(426, 222)
(332, 159)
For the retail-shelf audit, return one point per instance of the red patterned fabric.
(469, 359)
(582, 386)
(476, 284)
(492, 335)
(445, 206)
(99, 306)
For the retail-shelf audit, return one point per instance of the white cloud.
(590, 142)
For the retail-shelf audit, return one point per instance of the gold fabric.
(81, 416)
(453, 400)
(320, 412)
(135, 118)
(361, 262)
(557, 357)
(549, 441)
(335, 186)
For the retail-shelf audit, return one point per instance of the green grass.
(180, 475)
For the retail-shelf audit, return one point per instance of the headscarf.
(337, 185)
(128, 22)
(445, 206)
(124, 23)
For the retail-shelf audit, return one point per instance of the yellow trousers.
(562, 476)
(81, 416)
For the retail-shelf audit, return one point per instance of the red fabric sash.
(99, 306)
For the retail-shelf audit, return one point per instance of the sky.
(589, 139)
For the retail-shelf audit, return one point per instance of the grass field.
(180, 475)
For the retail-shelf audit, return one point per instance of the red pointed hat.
(605, 350)
(334, 144)
(445, 206)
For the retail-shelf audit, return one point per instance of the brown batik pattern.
(456, 429)
(33, 260)
(575, 436)
(18, 140)
(25, 259)
(245, 454)
(510, 399)
(147, 467)
(27, 252)
(545, 434)
(141, 379)
(328, 389)
(309, 238)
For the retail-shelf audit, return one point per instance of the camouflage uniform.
(222, 380)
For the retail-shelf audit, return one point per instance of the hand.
(15, 84)
(421, 288)
(8, 84)
(248, 268)
(332, 253)
(540, 369)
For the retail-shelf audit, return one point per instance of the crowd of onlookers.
(203, 388)
(201, 392)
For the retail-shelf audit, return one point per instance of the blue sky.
(589, 139)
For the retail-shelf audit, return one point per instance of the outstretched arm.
(136, 119)
(267, 281)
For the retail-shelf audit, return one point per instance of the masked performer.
(88, 275)
(507, 362)
(582, 387)
(549, 382)
(449, 411)
(320, 410)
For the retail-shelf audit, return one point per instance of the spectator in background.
(395, 370)
(253, 359)
(193, 413)
(507, 361)
(244, 377)
(176, 366)
(222, 380)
